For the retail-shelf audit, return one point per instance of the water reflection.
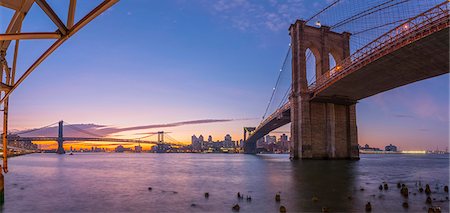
(119, 183)
(319, 184)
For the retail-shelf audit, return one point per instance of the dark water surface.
(118, 182)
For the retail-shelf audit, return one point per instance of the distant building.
(368, 148)
(138, 148)
(195, 143)
(194, 139)
(241, 143)
(284, 143)
(14, 140)
(120, 148)
(271, 139)
(210, 139)
(227, 137)
(390, 148)
(228, 142)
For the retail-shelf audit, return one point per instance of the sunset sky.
(210, 65)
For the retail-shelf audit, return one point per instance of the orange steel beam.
(23, 36)
(71, 13)
(80, 24)
(52, 15)
(16, 21)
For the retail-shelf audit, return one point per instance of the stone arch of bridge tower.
(312, 70)
(319, 129)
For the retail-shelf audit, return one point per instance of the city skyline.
(168, 75)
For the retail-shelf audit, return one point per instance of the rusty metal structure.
(8, 69)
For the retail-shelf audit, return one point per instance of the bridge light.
(338, 68)
(318, 24)
(405, 26)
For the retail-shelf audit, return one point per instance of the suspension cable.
(323, 10)
(83, 131)
(367, 13)
(35, 129)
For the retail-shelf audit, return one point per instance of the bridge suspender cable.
(323, 10)
(278, 81)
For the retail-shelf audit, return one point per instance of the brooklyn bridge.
(408, 45)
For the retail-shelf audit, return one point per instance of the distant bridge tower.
(161, 137)
(249, 147)
(324, 128)
(60, 138)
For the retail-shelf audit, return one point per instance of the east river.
(119, 182)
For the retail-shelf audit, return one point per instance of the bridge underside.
(279, 120)
(422, 59)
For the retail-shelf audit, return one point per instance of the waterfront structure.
(390, 148)
(322, 112)
(14, 141)
(368, 148)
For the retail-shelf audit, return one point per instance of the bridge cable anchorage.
(277, 82)
(33, 130)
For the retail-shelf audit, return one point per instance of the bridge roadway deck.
(422, 59)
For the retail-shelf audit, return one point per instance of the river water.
(118, 182)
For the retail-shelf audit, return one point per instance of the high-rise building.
(284, 143)
(194, 139)
(228, 142)
(210, 139)
(195, 142)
